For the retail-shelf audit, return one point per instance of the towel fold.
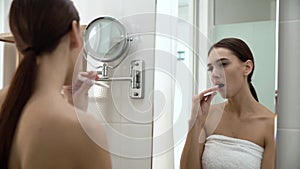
(222, 152)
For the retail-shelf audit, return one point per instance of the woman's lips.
(220, 85)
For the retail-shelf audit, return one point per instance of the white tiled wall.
(288, 153)
(129, 120)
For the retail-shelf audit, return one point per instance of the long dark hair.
(37, 26)
(243, 52)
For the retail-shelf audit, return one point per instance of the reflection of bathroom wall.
(260, 36)
(175, 54)
(236, 18)
(236, 11)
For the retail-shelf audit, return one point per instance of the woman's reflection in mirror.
(237, 133)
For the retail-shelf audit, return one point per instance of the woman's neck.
(52, 69)
(242, 102)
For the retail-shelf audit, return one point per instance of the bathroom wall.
(128, 121)
(236, 11)
(1, 43)
(260, 36)
(288, 153)
(7, 50)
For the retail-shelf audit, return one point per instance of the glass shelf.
(7, 37)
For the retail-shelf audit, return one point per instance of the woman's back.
(49, 135)
(38, 128)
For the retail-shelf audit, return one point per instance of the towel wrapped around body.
(223, 152)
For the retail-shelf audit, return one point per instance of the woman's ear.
(248, 67)
(75, 34)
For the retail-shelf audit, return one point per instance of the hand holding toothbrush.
(200, 108)
(77, 93)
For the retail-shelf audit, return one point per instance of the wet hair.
(37, 27)
(242, 51)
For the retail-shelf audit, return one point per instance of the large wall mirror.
(253, 21)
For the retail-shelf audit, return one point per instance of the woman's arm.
(268, 161)
(192, 152)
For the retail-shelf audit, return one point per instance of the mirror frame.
(106, 58)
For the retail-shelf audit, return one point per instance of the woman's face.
(226, 68)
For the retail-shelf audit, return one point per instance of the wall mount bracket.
(137, 78)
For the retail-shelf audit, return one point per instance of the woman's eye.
(222, 64)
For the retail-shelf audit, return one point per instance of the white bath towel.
(222, 152)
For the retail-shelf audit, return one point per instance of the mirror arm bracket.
(136, 88)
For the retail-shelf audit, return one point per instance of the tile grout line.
(290, 21)
(288, 129)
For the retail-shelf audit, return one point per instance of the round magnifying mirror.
(105, 39)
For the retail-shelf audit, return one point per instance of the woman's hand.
(200, 108)
(191, 156)
(77, 93)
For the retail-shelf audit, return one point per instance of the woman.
(38, 127)
(238, 133)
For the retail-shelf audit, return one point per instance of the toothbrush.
(82, 78)
(212, 92)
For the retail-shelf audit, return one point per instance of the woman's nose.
(216, 73)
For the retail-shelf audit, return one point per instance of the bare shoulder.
(268, 119)
(59, 134)
(82, 138)
(265, 111)
(89, 139)
(265, 114)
